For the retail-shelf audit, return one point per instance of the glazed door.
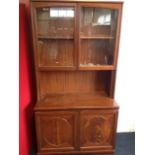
(55, 35)
(98, 33)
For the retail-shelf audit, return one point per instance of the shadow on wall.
(27, 91)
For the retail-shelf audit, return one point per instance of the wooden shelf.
(96, 37)
(102, 67)
(55, 37)
(76, 101)
(86, 68)
(50, 68)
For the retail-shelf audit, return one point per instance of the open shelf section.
(96, 37)
(55, 37)
(76, 101)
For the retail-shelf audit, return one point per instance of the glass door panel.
(55, 34)
(97, 36)
(56, 52)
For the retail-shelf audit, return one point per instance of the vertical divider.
(79, 130)
(75, 37)
(78, 33)
(112, 83)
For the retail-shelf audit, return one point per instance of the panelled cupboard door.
(56, 131)
(97, 129)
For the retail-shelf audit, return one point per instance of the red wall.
(25, 84)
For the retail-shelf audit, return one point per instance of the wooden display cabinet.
(75, 46)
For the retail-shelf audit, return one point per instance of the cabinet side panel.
(34, 42)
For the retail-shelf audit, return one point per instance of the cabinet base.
(75, 153)
(78, 153)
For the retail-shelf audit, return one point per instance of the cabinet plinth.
(75, 46)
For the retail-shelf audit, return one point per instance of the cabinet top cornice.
(77, 1)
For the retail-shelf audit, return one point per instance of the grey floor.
(125, 144)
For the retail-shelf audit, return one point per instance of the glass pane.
(56, 52)
(98, 28)
(55, 31)
(96, 52)
(55, 22)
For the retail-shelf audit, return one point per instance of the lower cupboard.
(76, 131)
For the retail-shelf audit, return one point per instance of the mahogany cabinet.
(75, 44)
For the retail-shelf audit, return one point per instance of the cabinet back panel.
(72, 82)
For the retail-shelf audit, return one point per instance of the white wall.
(135, 79)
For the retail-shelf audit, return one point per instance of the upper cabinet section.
(71, 36)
